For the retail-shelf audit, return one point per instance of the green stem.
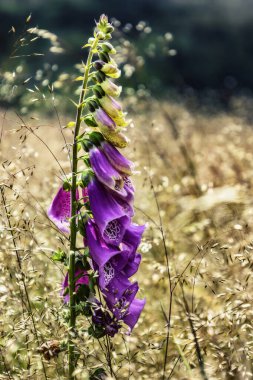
(73, 226)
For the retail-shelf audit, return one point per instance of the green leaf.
(86, 177)
(70, 124)
(75, 104)
(86, 160)
(81, 225)
(59, 255)
(79, 146)
(86, 144)
(77, 79)
(85, 46)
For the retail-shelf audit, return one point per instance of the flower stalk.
(73, 225)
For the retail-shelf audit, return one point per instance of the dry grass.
(194, 188)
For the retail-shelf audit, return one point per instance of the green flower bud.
(90, 121)
(98, 91)
(98, 65)
(104, 56)
(100, 76)
(86, 145)
(108, 48)
(110, 88)
(91, 40)
(108, 36)
(111, 70)
(66, 185)
(96, 138)
(100, 35)
(115, 138)
(92, 105)
(109, 29)
(103, 21)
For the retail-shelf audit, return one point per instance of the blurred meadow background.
(187, 76)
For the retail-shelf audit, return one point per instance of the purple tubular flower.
(119, 294)
(103, 169)
(109, 176)
(111, 216)
(133, 314)
(104, 120)
(132, 265)
(81, 277)
(117, 160)
(109, 260)
(129, 189)
(132, 236)
(60, 209)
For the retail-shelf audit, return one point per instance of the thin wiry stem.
(197, 329)
(194, 278)
(196, 342)
(2, 127)
(29, 306)
(168, 325)
(107, 346)
(128, 358)
(5, 366)
(169, 278)
(185, 268)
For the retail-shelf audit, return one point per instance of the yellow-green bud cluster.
(106, 111)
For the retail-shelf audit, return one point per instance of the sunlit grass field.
(193, 180)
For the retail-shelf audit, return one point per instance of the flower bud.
(116, 138)
(100, 76)
(111, 106)
(111, 70)
(96, 138)
(92, 105)
(120, 120)
(91, 40)
(90, 121)
(110, 88)
(100, 35)
(66, 185)
(108, 48)
(98, 91)
(103, 120)
(98, 65)
(104, 56)
(109, 28)
(108, 36)
(103, 20)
